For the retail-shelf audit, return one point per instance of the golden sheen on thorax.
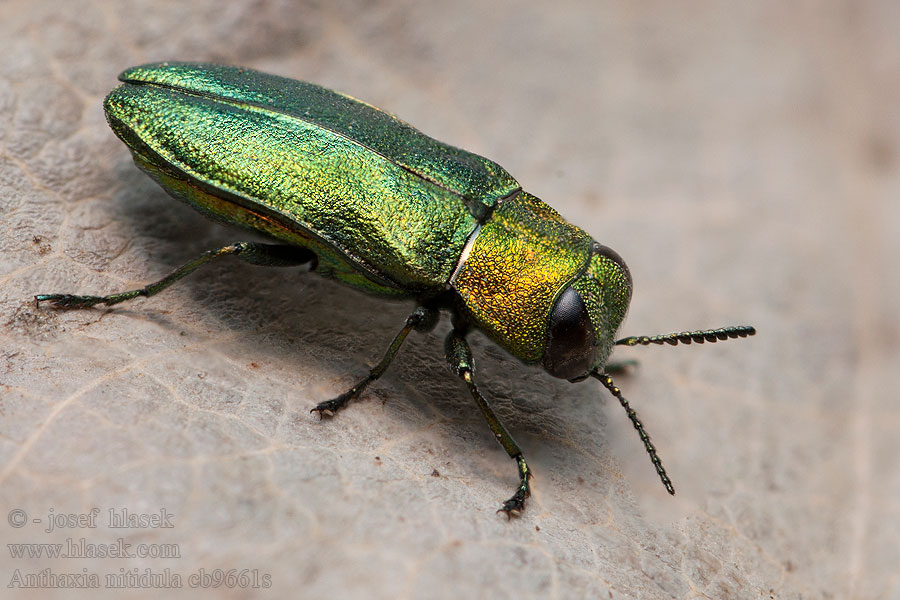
(521, 260)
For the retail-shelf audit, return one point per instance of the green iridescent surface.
(525, 255)
(478, 181)
(330, 263)
(605, 289)
(316, 164)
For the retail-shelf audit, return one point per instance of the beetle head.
(586, 315)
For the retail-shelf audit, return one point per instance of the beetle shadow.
(333, 334)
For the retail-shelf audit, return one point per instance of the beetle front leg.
(459, 355)
(423, 318)
(269, 255)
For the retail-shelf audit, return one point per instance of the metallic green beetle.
(364, 198)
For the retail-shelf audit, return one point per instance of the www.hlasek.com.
(81, 548)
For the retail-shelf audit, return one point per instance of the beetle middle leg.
(270, 255)
(423, 319)
(459, 355)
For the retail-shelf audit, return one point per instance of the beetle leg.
(459, 355)
(422, 318)
(273, 255)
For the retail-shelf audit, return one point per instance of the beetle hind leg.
(422, 318)
(459, 355)
(270, 255)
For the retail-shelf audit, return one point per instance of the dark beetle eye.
(570, 346)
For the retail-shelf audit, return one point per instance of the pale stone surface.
(742, 157)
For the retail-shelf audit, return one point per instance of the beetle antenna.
(607, 382)
(686, 337)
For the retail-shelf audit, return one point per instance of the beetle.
(364, 198)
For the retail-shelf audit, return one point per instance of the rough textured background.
(742, 157)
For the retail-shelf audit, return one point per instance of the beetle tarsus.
(69, 301)
(515, 505)
(330, 407)
(324, 410)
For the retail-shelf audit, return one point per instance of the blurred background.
(741, 157)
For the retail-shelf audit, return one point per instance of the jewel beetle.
(364, 198)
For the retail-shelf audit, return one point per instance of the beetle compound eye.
(570, 345)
